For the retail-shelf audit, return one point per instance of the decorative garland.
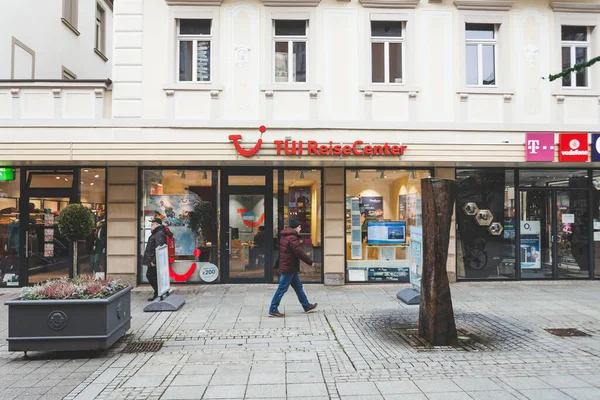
(575, 67)
(183, 277)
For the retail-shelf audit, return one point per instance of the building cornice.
(291, 3)
(194, 2)
(560, 6)
(390, 3)
(484, 5)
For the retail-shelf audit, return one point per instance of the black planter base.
(68, 325)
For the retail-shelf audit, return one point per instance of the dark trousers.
(152, 279)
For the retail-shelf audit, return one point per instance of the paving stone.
(449, 396)
(475, 384)
(397, 387)
(230, 379)
(526, 383)
(306, 389)
(405, 396)
(437, 386)
(266, 391)
(544, 394)
(564, 381)
(355, 389)
(191, 380)
(184, 392)
(143, 381)
(583, 393)
(225, 392)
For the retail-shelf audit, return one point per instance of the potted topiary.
(82, 313)
(75, 222)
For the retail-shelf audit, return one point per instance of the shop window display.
(302, 201)
(173, 195)
(92, 252)
(486, 220)
(381, 208)
(596, 222)
(9, 227)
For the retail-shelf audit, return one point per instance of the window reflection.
(486, 223)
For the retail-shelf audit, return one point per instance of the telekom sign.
(314, 148)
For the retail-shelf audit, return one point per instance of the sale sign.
(573, 147)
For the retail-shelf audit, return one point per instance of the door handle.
(27, 244)
(229, 240)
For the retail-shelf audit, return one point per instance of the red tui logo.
(248, 153)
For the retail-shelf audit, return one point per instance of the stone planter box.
(68, 325)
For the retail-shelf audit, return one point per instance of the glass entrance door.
(554, 234)
(248, 236)
(47, 252)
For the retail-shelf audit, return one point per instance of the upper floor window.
(100, 30)
(387, 41)
(194, 38)
(69, 14)
(575, 43)
(290, 37)
(481, 41)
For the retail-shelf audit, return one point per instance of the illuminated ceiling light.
(356, 176)
(204, 175)
(66, 180)
(86, 170)
(96, 176)
(92, 184)
(58, 177)
(301, 174)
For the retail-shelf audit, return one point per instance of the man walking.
(290, 254)
(156, 239)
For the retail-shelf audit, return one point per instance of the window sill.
(102, 56)
(485, 90)
(71, 27)
(199, 87)
(290, 87)
(576, 92)
(389, 88)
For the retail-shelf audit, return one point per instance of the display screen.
(379, 232)
(7, 174)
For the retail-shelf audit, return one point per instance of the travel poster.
(416, 256)
(411, 209)
(373, 207)
(402, 207)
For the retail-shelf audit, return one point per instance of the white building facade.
(359, 100)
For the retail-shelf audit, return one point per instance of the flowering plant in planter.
(81, 287)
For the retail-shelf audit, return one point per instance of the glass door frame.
(554, 249)
(26, 194)
(267, 191)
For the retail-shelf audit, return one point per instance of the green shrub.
(76, 222)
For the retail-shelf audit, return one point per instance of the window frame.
(386, 40)
(100, 30)
(290, 40)
(573, 45)
(194, 39)
(500, 19)
(480, 43)
(70, 15)
(177, 12)
(67, 74)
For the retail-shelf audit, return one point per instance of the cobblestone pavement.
(359, 344)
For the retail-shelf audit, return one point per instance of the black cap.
(157, 220)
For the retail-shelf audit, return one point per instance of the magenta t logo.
(539, 147)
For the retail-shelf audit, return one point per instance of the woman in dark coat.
(290, 254)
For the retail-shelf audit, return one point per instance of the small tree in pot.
(202, 219)
(75, 222)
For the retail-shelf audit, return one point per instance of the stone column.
(334, 219)
(436, 316)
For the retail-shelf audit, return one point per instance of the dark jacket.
(290, 252)
(157, 239)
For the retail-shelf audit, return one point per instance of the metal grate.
(147, 346)
(566, 332)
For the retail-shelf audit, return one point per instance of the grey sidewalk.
(359, 344)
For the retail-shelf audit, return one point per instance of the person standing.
(156, 239)
(290, 254)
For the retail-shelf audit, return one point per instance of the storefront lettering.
(314, 148)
